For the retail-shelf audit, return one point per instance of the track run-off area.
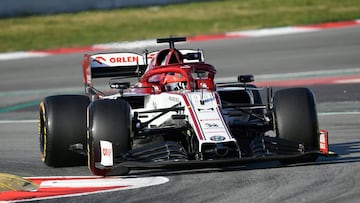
(327, 61)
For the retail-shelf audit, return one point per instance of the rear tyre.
(62, 123)
(295, 119)
(109, 120)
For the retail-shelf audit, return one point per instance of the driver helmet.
(174, 81)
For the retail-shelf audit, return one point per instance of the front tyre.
(295, 118)
(108, 120)
(62, 123)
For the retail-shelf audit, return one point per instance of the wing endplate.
(112, 65)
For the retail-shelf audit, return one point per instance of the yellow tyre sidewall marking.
(43, 131)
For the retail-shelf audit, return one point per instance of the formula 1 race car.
(175, 116)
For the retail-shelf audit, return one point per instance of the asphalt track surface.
(24, 82)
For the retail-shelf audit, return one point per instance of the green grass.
(207, 17)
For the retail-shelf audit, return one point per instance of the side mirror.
(245, 78)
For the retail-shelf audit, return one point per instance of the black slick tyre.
(295, 118)
(62, 123)
(108, 120)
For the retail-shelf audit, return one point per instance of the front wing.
(218, 163)
(170, 155)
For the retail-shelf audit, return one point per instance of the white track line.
(21, 55)
(298, 75)
(17, 121)
(338, 113)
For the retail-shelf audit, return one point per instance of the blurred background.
(35, 7)
(49, 24)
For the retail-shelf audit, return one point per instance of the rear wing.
(112, 65)
(190, 55)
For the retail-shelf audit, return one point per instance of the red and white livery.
(174, 115)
